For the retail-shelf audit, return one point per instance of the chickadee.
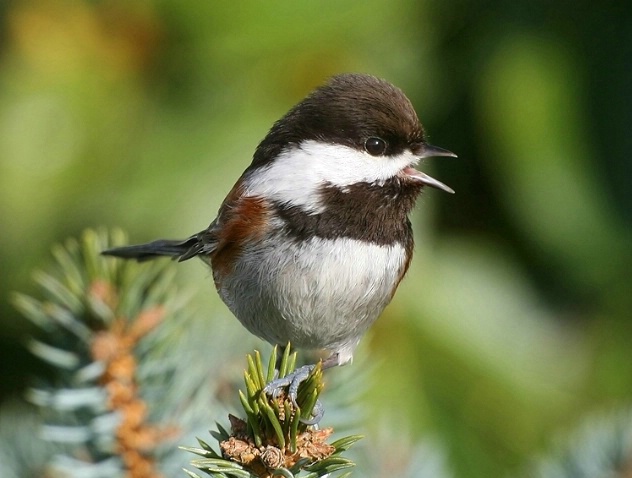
(311, 243)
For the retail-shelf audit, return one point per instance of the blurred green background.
(514, 321)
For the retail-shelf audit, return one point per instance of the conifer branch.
(94, 315)
(272, 440)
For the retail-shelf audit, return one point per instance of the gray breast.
(317, 293)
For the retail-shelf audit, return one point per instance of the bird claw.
(292, 381)
(317, 414)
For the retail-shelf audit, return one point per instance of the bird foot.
(292, 381)
(317, 414)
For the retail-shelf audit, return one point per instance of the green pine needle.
(96, 318)
(273, 439)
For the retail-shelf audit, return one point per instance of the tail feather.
(177, 249)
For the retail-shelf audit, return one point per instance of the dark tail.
(179, 250)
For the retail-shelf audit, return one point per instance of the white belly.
(319, 294)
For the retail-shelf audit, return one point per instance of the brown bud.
(272, 457)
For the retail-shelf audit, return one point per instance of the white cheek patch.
(296, 176)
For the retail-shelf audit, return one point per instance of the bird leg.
(294, 379)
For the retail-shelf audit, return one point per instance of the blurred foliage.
(515, 316)
(601, 446)
(112, 334)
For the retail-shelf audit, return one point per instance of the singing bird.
(312, 241)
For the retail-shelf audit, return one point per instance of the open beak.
(430, 151)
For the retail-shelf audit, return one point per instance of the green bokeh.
(514, 320)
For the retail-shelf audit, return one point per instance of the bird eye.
(375, 146)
